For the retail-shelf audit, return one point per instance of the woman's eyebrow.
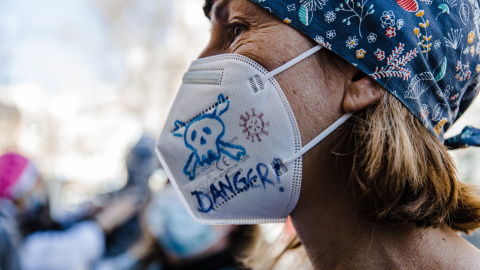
(209, 5)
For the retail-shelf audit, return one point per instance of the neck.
(329, 224)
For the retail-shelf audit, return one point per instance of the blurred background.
(81, 81)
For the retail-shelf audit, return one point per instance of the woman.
(381, 190)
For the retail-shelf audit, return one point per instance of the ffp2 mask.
(231, 145)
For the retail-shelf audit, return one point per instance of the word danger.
(226, 189)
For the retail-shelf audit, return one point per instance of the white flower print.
(319, 39)
(291, 7)
(437, 44)
(388, 18)
(424, 112)
(463, 71)
(331, 34)
(400, 24)
(372, 37)
(358, 10)
(330, 16)
(379, 54)
(454, 39)
(352, 42)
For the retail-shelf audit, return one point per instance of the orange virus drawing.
(254, 125)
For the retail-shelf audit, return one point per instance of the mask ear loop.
(291, 63)
(327, 131)
(319, 138)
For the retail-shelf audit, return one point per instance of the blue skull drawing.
(203, 135)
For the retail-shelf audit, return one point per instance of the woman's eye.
(238, 29)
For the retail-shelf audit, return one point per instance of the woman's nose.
(208, 51)
(217, 45)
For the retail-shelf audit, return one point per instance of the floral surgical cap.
(425, 52)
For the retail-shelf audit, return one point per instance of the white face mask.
(231, 145)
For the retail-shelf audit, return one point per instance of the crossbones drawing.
(203, 135)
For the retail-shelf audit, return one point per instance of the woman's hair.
(404, 174)
(286, 250)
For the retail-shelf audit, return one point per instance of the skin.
(320, 89)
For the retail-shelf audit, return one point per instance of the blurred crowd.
(131, 228)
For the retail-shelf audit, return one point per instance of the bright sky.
(63, 67)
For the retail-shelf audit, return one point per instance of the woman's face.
(242, 27)
(319, 89)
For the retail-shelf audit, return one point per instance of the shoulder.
(470, 259)
(460, 255)
(443, 248)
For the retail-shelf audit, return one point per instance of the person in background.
(333, 112)
(173, 241)
(19, 180)
(8, 252)
(75, 247)
(140, 163)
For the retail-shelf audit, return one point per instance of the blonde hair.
(404, 174)
(286, 250)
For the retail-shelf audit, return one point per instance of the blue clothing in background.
(8, 253)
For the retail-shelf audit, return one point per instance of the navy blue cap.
(425, 52)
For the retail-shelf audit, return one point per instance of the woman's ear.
(361, 92)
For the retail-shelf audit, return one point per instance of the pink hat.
(17, 175)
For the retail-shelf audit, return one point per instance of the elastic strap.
(291, 62)
(320, 137)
